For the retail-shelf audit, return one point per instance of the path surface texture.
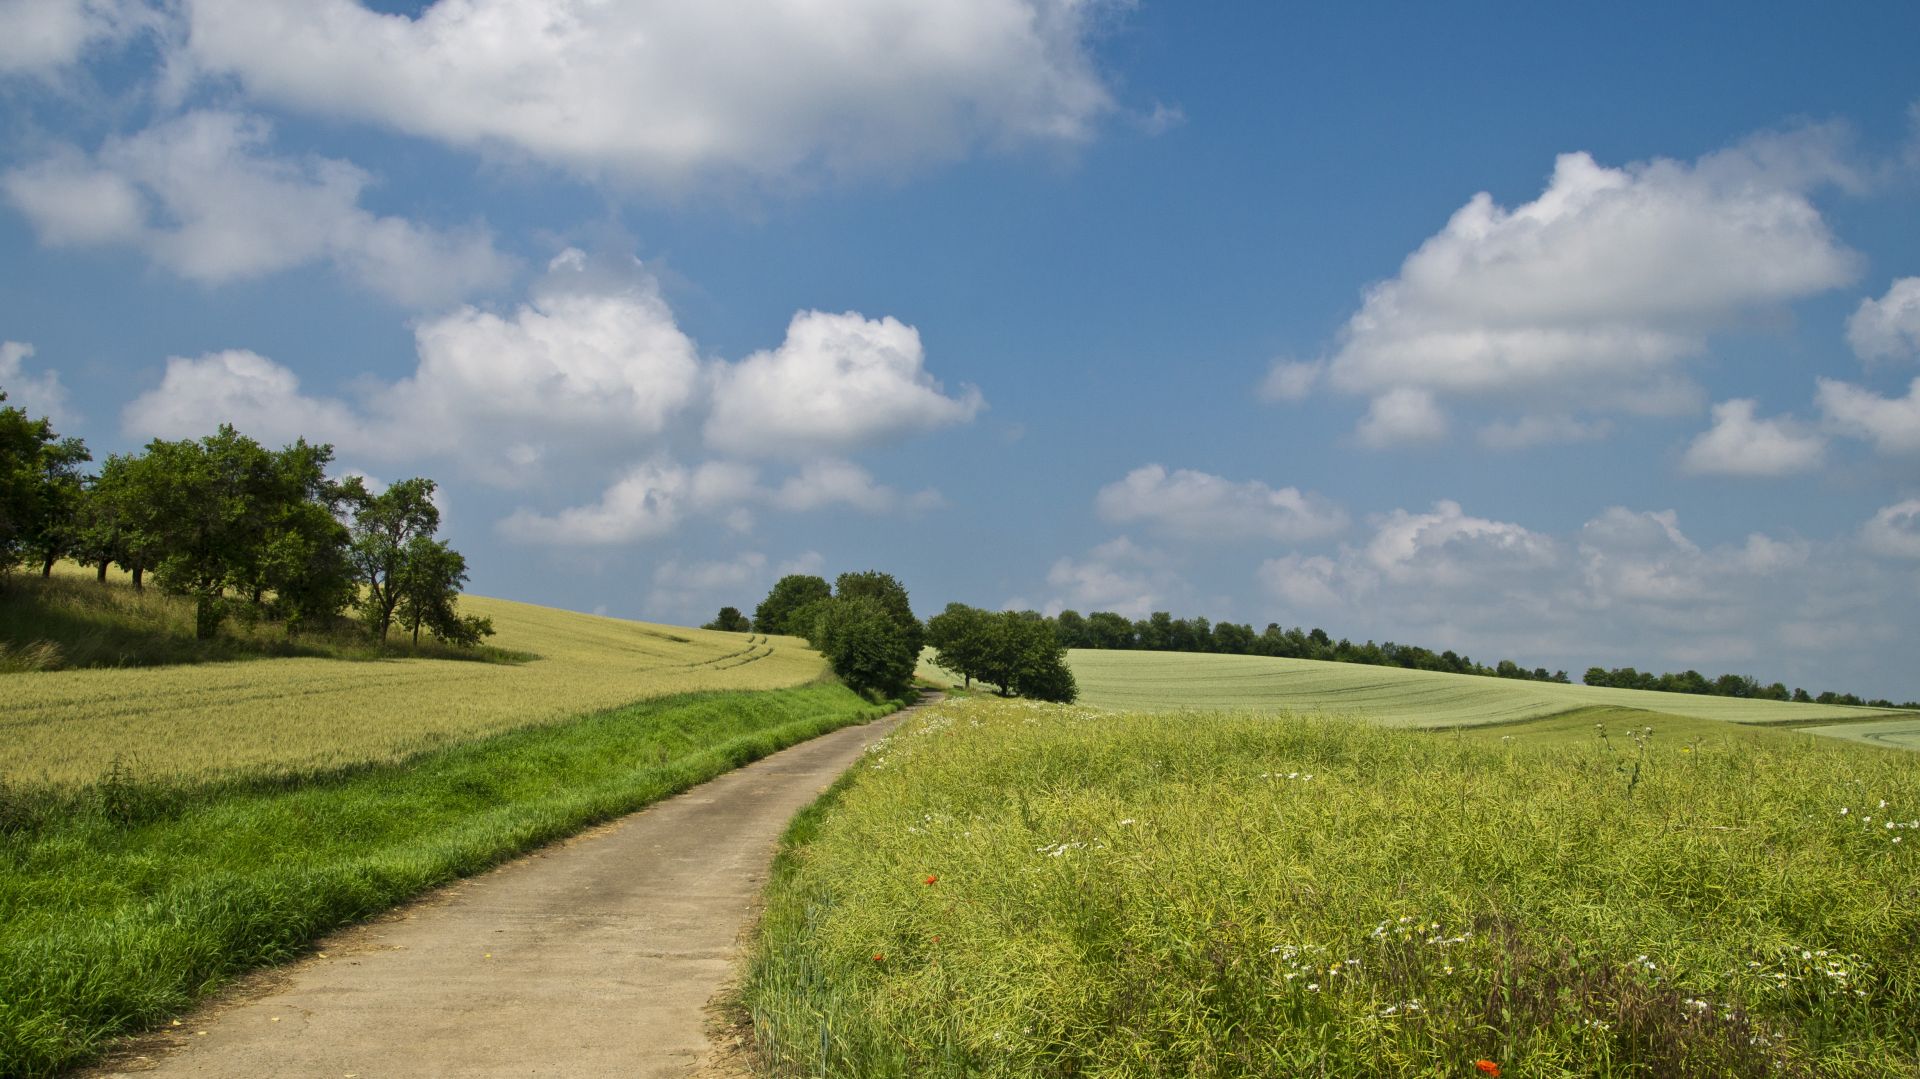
(594, 957)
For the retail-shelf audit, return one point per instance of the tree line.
(241, 530)
(1161, 632)
(1727, 685)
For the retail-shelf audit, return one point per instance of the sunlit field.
(1172, 681)
(1007, 888)
(211, 719)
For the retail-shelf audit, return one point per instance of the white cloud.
(1593, 294)
(203, 195)
(1118, 575)
(1303, 582)
(1401, 417)
(826, 483)
(36, 395)
(1740, 444)
(1888, 328)
(1292, 380)
(1542, 430)
(1200, 506)
(1445, 547)
(666, 93)
(44, 36)
(259, 397)
(1891, 423)
(836, 382)
(734, 574)
(650, 500)
(1895, 530)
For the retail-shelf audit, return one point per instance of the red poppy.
(1488, 1067)
(878, 958)
(932, 878)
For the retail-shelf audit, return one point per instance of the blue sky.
(1571, 337)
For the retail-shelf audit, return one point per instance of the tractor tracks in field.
(596, 956)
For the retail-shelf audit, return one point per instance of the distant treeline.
(1161, 632)
(1727, 685)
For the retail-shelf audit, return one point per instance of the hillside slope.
(296, 714)
(1174, 681)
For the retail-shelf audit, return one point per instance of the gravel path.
(593, 957)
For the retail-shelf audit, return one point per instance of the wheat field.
(1181, 681)
(202, 721)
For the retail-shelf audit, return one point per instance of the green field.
(204, 720)
(1014, 889)
(1184, 681)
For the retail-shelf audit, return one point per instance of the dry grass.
(275, 715)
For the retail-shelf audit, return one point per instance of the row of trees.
(1727, 685)
(1161, 632)
(1015, 651)
(236, 527)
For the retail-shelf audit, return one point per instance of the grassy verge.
(1014, 889)
(123, 902)
(72, 622)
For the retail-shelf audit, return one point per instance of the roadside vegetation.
(124, 900)
(1013, 888)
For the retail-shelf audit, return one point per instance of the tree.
(958, 636)
(890, 594)
(384, 528)
(789, 595)
(209, 503)
(428, 586)
(730, 620)
(40, 489)
(863, 643)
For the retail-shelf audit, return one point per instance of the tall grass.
(1015, 889)
(123, 901)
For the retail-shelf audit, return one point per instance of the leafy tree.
(789, 595)
(1071, 629)
(428, 585)
(209, 503)
(40, 489)
(384, 529)
(890, 594)
(1105, 629)
(730, 620)
(959, 637)
(864, 644)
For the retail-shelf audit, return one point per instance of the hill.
(297, 714)
(1177, 681)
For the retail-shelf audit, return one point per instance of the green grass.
(122, 902)
(1177, 681)
(1018, 889)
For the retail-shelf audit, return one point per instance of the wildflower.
(932, 878)
(1488, 1067)
(879, 958)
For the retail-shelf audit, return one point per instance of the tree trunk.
(416, 633)
(139, 573)
(101, 575)
(46, 570)
(206, 617)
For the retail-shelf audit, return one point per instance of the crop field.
(1006, 888)
(1899, 733)
(215, 719)
(1394, 696)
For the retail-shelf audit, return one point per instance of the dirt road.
(593, 957)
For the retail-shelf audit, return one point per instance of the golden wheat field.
(204, 720)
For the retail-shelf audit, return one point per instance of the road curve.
(593, 957)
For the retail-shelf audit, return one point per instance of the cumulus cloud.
(259, 397)
(650, 500)
(36, 395)
(1119, 575)
(44, 36)
(1401, 417)
(1895, 530)
(1741, 444)
(665, 93)
(1592, 295)
(1292, 380)
(1888, 328)
(1892, 424)
(203, 195)
(1199, 506)
(835, 383)
(825, 483)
